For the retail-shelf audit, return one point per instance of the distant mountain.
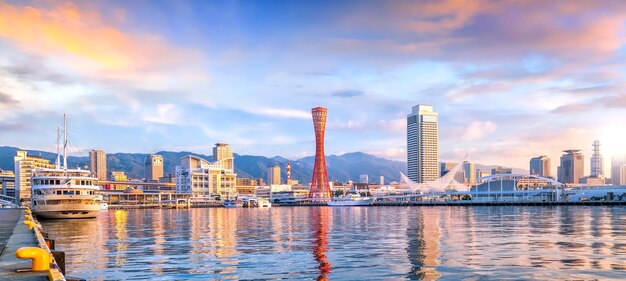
(340, 168)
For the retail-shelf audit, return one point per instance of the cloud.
(88, 43)
(478, 130)
(280, 112)
(348, 125)
(164, 114)
(7, 100)
(347, 93)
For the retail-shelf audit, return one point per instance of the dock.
(15, 235)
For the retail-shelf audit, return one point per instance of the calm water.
(371, 243)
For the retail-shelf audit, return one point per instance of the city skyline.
(500, 101)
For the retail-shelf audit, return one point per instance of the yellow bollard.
(30, 224)
(41, 259)
(28, 217)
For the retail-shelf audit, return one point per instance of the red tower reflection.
(319, 222)
(319, 184)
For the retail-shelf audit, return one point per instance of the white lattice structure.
(442, 184)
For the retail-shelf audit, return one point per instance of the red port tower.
(320, 188)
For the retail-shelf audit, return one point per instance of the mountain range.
(341, 168)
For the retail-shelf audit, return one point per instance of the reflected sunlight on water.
(367, 243)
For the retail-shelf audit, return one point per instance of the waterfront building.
(382, 180)
(98, 164)
(24, 165)
(154, 167)
(273, 175)
(597, 162)
(364, 178)
(618, 170)
(540, 166)
(320, 186)
(501, 170)
(119, 176)
(200, 178)
(423, 144)
(222, 153)
(592, 180)
(572, 167)
(470, 172)
(7, 181)
(245, 186)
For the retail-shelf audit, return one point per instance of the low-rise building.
(200, 178)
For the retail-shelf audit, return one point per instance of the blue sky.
(510, 80)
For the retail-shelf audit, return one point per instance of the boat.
(264, 203)
(229, 203)
(62, 193)
(351, 199)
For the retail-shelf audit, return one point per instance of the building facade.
(98, 164)
(470, 172)
(7, 180)
(119, 176)
(540, 166)
(200, 178)
(273, 175)
(222, 153)
(154, 167)
(423, 144)
(572, 167)
(24, 166)
(618, 170)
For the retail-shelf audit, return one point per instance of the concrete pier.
(15, 235)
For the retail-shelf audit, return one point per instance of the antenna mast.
(58, 162)
(64, 141)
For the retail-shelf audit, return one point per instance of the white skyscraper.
(423, 144)
(597, 169)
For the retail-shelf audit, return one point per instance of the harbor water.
(359, 243)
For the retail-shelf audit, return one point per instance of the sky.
(510, 79)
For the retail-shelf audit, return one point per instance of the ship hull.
(78, 211)
(360, 202)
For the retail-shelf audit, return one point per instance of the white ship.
(64, 193)
(352, 199)
(229, 203)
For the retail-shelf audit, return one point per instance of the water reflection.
(320, 220)
(381, 243)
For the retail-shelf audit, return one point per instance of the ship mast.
(64, 141)
(58, 162)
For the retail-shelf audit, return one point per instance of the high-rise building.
(24, 166)
(273, 175)
(223, 154)
(382, 180)
(618, 170)
(200, 178)
(423, 144)
(320, 187)
(154, 167)
(597, 169)
(98, 164)
(364, 178)
(572, 167)
(540, 166)
(470, 172)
